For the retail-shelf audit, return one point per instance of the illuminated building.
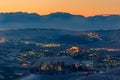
(51, 45)
(2, 40)
(75, 49)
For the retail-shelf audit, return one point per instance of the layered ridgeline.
(58, 21)
(90, 38)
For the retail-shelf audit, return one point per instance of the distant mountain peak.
(60, 13)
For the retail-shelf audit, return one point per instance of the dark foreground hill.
(109, 75)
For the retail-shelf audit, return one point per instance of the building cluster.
(52, 66)
(93, 35)
(59, 67)
(74, 49)
(51, 45)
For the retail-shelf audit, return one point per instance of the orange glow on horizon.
(81, 7)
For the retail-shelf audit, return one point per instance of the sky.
(79, 7)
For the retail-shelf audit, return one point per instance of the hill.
(58, 20)
(91, 38)
(109, 75)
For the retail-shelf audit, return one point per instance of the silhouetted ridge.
(59, 20)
